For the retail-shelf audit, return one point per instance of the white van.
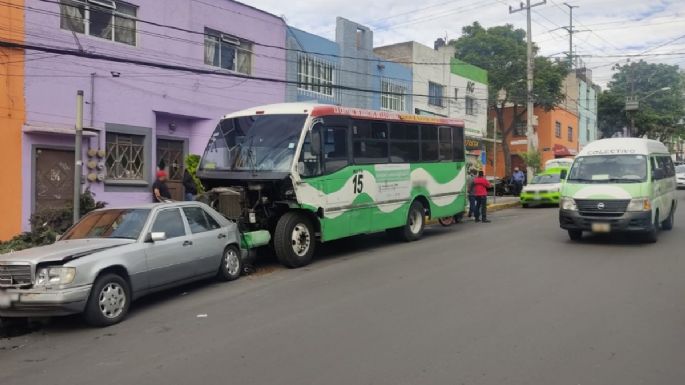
(619, 185)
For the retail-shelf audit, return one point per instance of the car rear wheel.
(231, 264)
(109, 301)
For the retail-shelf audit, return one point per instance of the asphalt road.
(511, 302)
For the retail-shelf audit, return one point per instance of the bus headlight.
(568, 204)
(640, 204)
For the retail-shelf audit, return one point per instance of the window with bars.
(315, 75)
(107, 19)
(393, 96)
(228, 52)
(435, 94)
(469, 103)
(125, 158)
(557, 129)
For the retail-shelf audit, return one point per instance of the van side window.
(665, 163)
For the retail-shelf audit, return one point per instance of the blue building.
(319, 67)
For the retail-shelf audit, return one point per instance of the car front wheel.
(109, 301)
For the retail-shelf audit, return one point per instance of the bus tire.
(416, 222)
(294, 240)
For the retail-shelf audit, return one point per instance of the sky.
(612, 28)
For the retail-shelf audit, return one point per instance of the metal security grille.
(393, 96)
(15, 275)
(315, 75)
(596, 206)
(125, 156)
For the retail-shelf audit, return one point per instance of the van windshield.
(254, 143)
(609, 169)
(546, 179)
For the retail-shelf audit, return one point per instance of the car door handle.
(221, 236)
(187, 243)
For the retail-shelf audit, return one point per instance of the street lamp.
(633, 104)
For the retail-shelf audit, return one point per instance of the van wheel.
(294, 240)
(668, 223)
(652, 236)
(575, 235)
(109, 300)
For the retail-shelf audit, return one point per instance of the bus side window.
(404, 143)
(335, 148)
(370, 142)
(429, 144)
(458, 143)
(445, 139)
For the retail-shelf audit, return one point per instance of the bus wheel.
(294, 240)
(416, 222)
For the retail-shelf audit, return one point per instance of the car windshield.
(609, 169)
(254, 143)
(546, 179)
(113, 223)
(680, 169)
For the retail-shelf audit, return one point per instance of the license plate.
(601, 227)
(7, 299)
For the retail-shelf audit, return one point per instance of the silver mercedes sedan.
(114, 256)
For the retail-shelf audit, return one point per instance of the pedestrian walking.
(480, 191)
(518, 178)
(160, 190)
(469, 189)
(189, 186)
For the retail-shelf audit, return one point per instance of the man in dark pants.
(519, 178)
(480, 191)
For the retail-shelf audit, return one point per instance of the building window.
(435, 94)
(125, 157)
(469, 105)
(107, 19)
(228, 52)
(587, 129)
(570, 134)
(557, 129)
(392, 96)
(315, 75)
(520, 128)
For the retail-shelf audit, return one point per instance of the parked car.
(544, 189)
(680, 176)
(114, 256)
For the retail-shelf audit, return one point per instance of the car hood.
(63, 251)
(542, 187)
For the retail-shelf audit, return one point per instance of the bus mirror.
(563, 175)
(316, 142)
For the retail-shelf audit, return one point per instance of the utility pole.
(570, 31)
(530, 133)
(78, 162)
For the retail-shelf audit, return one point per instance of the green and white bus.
(308, 173)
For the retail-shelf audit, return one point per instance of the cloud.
(615, 26)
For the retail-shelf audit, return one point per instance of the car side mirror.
(316, 141)
(563, 175)
(155, 237)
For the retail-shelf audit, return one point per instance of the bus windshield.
(609, 169)
(254, 143)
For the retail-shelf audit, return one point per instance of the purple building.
(139, 118)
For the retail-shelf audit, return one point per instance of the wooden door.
(170, 158)
(54, 179)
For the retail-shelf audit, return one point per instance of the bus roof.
(327, 110)
(620, 146)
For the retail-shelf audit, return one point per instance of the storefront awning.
(561, 151)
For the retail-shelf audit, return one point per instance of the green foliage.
(47, 224)
(192, 163)
(659, 111)
(502, 51)
(532, 159)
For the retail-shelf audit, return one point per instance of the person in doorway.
(519, 178)
(469, 189)
(160, 190)
(189, 186)
(480, 191)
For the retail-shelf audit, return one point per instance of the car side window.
(213, 224)
(169, 222)
(197, 220)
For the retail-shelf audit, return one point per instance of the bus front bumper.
(628, 222)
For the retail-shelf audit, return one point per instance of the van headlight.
(55, 276)
(640, 204)
(568, 204)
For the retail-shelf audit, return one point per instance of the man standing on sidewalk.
(518, 178)
(480, 191)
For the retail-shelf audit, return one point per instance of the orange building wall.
(12, 115)
(546, 137)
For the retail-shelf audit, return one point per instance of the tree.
(501, 50)
(659, 110)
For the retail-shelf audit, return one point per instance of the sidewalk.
(501, 203)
